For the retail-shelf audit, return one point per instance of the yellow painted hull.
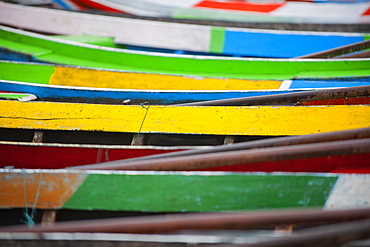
(232, 120)
(67, 76)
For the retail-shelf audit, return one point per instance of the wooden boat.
(16, 44)
(178, 191)
(212, 120)
(175, 37)
(283, 11)
(76, 84)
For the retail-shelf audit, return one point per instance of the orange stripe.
(53, 189)
(242, 6)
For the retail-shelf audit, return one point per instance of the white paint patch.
(286, 84)
(350, 191)
(28, 98)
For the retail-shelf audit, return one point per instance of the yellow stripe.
(66, 76)
(256, 120)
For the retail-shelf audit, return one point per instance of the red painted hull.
(55, 157)
(355, 163)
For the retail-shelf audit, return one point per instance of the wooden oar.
(289, 99)
(275, 142)
(339, 50)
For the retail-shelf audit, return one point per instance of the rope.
(29, 217)
(146, 106)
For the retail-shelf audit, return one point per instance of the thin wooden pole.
(275, 142)
(231, 220)
(339, 50)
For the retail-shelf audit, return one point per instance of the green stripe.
(26, 72)
(217, 40)
(49, 51)
(12, 96)
(366, 36)
(181, 193)
(89, 39)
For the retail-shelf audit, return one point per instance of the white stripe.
(286, 84)
(350, 191)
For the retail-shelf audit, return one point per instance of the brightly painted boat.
(76, 84)
(285, 11)
(175, 37)
(179, 191)
(17, 44)
(212, 120)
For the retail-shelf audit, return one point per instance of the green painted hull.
(41, 48)
(168, 191)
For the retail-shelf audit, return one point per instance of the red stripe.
(357, 163)
(345, 101)
(367, 12)
(97, 6)
(236, 5)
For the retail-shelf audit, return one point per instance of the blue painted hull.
(117, 96)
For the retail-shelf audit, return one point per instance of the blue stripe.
(282, 45)
(159, 97)
(344, 82)
(101, 96)
(62, 4)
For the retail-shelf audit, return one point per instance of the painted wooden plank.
(104, 78)
(175, 36)
(64, 83)
(334, 156)
(253, 120)
(117, 96)
(55, 156)
(43, 48)
(173, 191)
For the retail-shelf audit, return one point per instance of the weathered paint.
(37, 189)
(248, 120)
(344, 101)
(165, 191)
(55, 156)
(354, 163)
(45, 49)
(69, 76)
(175, 36)
(103, 78)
